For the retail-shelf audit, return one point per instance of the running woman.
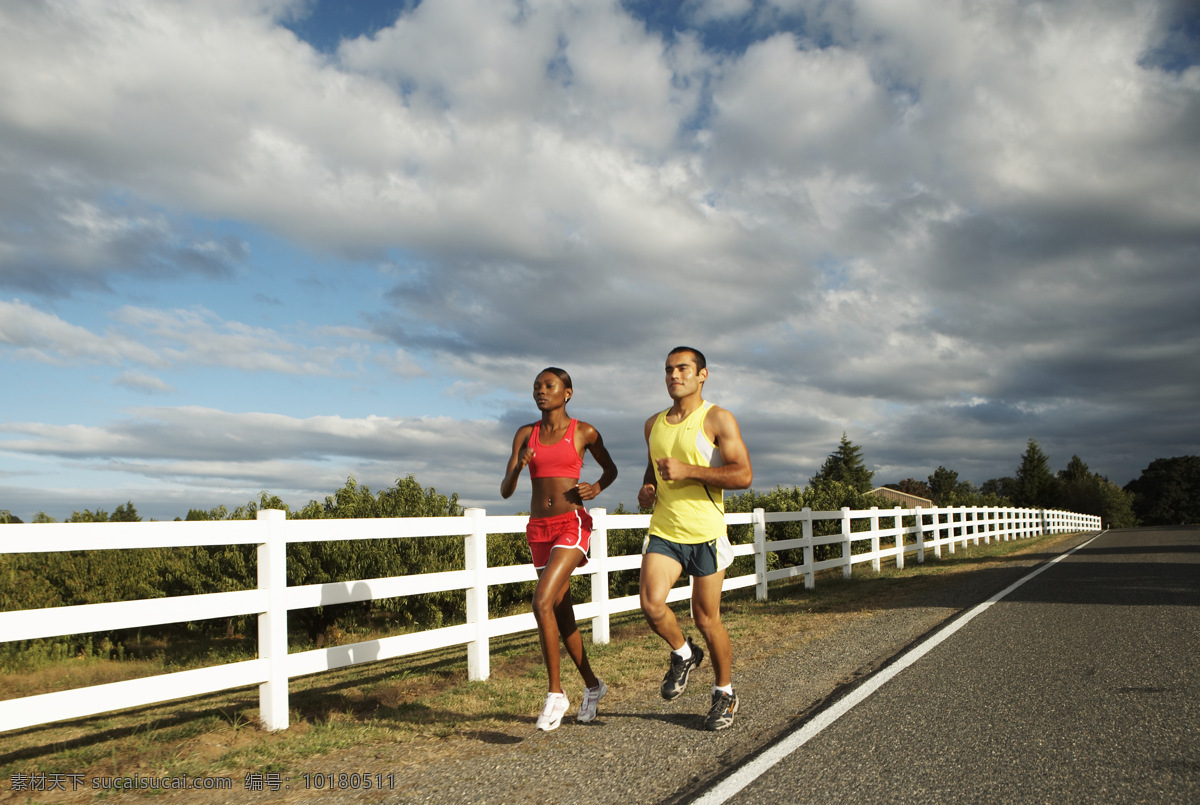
(559, 531)
(695, 453)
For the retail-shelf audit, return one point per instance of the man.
(695, 453)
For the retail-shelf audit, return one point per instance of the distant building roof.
(902, 497)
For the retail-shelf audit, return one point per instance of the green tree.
(125, 513)
(1168, 491)
(1117, 507)
(1002, 489)
(1076, 470)
(88, 516)
(911, 486)
(265, 501)
(845, 465)
(1036, 486)
(67, 578)
(942, 485)
(215, 513)
(1079, 489)
(325, 562)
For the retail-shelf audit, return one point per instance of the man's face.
(682, 377)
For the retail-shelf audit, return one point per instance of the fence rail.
(934, 530)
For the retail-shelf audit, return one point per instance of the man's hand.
(672, 469)
(646, 496)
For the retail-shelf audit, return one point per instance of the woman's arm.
(521, 455)
(594, 442)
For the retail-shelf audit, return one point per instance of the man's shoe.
(552, 713)
(724, 708)
(591, 698)
(675, 682)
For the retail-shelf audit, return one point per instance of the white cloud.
(185, 338)
(147, 384)
(46, 337)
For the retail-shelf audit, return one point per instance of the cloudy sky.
(257, 245)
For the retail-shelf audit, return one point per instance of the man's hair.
(562, 375)
(700, 362)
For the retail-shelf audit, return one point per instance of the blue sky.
(267, 245)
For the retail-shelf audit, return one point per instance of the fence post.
(898, 522)
(272, 624)
(875, 538)
(475, 544)
(848, 568)
(936, 516)
(600, 632)
(920, 535)
(806, 528)
(759, 518)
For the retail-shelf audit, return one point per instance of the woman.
(559, 530)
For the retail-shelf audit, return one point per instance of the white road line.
(747, 774)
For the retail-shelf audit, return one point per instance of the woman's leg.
(555, 615)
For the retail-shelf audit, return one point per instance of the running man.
(695, 453)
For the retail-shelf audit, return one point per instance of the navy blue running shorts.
(698, 559)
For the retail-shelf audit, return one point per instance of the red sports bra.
(558, 460)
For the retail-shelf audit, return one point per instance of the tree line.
(1167, 492)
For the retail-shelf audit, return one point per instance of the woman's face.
(549, 392)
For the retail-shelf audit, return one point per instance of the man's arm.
(735, 471)
(649, 490)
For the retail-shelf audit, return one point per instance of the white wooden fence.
(931, 529)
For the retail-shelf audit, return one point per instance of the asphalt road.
(1081, 685)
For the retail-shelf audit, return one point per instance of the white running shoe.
(553, 712)
(591, 698)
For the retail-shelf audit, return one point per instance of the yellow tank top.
(686, 511)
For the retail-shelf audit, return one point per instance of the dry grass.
(424, 705)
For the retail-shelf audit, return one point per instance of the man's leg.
(659, 574)
(706, 609)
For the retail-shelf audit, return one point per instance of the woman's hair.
(562, 375)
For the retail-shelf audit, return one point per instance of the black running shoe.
(675, 682)
(724, 708)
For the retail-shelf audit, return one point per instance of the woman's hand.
(586, 491)
(524, 457)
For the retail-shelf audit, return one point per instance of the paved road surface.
(1082, 685)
